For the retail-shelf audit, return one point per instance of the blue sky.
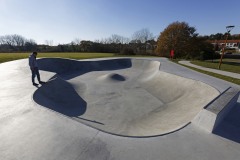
(62, 21)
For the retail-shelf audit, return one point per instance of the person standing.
(172, 54)
(34, 68)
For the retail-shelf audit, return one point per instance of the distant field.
(4, 57)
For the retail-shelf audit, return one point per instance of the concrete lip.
(126, 97)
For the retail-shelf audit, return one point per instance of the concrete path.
(30, 129)
(225, 73)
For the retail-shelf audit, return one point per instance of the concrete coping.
(222, 100)
(214, 112)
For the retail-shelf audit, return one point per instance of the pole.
(229, 28)
(223, 50)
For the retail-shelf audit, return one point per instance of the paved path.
(229, 74)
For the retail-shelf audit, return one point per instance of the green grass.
(5, 57)
(227, 65)
(226, 78)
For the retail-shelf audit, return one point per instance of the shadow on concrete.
(230, 127)
(60, 96)
(69, 69)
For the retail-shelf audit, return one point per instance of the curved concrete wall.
(125, 97)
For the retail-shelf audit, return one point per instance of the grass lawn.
(4, 57)
(230, 65)
(226, 78)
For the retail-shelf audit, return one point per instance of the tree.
(12, 42)
(18, 40)
(178, 36)
(139, 41)
(49, 42)
(86, 46)
(142, 35)
(30, 45)
(115, 39)
(77, 41)
(218, 36)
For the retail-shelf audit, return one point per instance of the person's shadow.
(60, 96)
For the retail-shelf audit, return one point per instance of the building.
(233, 44)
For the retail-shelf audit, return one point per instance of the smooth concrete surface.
(125, 97)
(31, 129)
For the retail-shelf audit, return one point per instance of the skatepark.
(122, 108)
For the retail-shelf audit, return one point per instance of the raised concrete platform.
(213, 114)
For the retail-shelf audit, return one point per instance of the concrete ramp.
(126, 97)
(214, 113)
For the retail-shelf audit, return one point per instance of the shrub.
(127, 51)
(208, 55)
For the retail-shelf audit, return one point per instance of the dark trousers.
(35, 72)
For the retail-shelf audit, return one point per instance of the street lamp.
(229, 28)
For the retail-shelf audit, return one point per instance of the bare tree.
(142, 35)
(105, 41)
(13, 42)
(126, 40)
(7, 40)
(30, 45)
(117, 39)
(77, 41)
(49, 42)
(2, 40)
(18, 40)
